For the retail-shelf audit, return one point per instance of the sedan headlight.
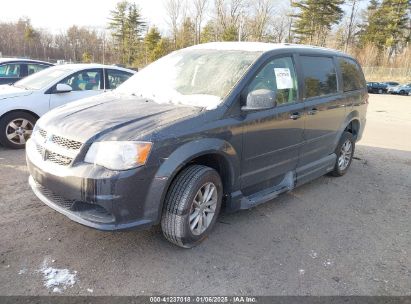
(118, 155)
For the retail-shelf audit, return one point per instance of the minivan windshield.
(41, 79)
(194, 77)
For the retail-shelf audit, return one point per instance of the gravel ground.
(333, 236)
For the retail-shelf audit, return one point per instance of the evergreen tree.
(387, 25)
(118, 26)
(208, 34)
(152, 39)
(230, 33)
(164, 46)
(126, 25)
(135, 26)
(186, 35)
(315, 18)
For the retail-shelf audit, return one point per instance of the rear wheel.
(15, 129)
(402, 92)
(345, 153)
(192, 205)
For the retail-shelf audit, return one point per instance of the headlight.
(118, 155)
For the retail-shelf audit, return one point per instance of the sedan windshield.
(194, 77)
(41, 79)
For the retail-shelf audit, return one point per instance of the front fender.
(182, 156)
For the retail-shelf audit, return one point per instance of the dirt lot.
(344, 236)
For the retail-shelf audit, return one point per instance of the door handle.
(313, 111)
(295, 116)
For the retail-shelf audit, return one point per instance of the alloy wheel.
(345, 155)
(203, 208)
(19, 130)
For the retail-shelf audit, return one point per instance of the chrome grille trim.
(56, 149)
(66, 143)
(42, 133)
(58, 159)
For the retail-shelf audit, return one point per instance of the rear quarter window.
(352, 75)
(320, 76)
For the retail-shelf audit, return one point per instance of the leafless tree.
(262, 15)
(174, 11)
(352, 22)
(200, 8)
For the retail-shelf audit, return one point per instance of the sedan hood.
(8, 91)
(112, 117)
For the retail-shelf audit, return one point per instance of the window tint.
(277, 76)
(320, 77)
(115, 78)
(352, 76)
(84, 80)
(10, 70)
(34, 68)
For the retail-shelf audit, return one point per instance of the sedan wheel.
(19, 130)
(16, 128)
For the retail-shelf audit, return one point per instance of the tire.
(380, 91)
(19, 123)
(179, 206)
(402, 92)
(341, 167)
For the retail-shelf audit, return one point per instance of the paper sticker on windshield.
(283, 77)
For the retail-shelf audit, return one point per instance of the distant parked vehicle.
(391, 84)
(22, 103)
(377, 87)
(14, 69)
(401, 89)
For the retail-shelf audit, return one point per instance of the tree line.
(377, 32)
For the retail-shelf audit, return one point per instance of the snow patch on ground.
(57, 279)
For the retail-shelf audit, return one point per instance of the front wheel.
(15, 129)
(345, 154)
(192, 205)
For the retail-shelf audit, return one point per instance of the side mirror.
(260, 100)
(63, 88)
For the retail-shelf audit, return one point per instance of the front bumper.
(97, 197)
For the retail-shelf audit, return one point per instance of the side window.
(353, 78)
(320, 77)
(278, 76)
(84, 80)
(11, 70)
(115, 78)
(34, 68)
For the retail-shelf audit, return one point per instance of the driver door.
(273, 137)
(85, 83)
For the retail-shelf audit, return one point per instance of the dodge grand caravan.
(221, 124)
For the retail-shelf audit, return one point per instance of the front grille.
(92, 212)
(42, 133)
(58, 159)
(66, 143)
(63, 148)
(55, 198)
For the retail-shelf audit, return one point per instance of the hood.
(9, 91)
(111, 117)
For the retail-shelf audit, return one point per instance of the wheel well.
(218, 163)
(25, 111)
(353, 127)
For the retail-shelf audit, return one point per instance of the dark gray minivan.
(220, 124)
